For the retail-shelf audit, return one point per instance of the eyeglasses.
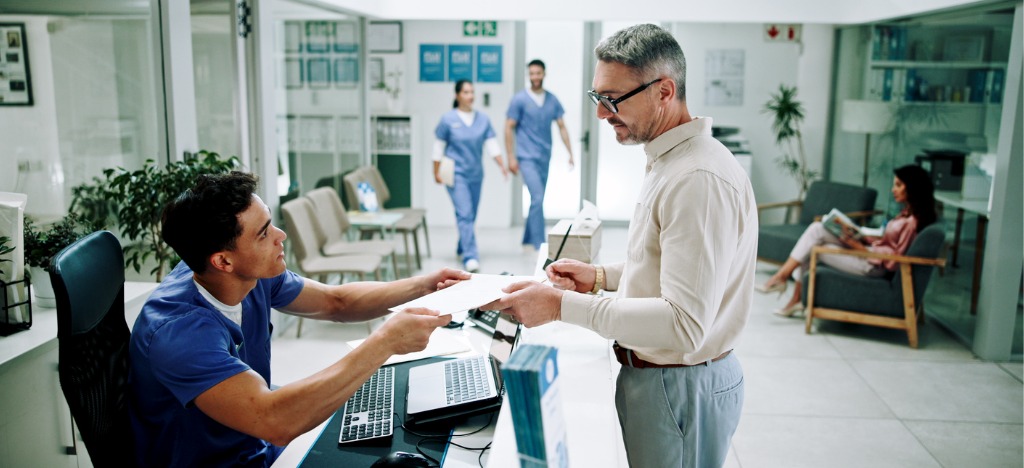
(613, 104)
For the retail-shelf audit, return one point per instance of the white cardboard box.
(583, 244)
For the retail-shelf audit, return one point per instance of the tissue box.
(583, 244)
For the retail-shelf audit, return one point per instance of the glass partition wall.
(94, 84)
(322, 118)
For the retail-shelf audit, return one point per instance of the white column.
(261, 115)
(1004, 244)
(175, 38)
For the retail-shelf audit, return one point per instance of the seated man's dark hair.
(204, 219)
(537, 62)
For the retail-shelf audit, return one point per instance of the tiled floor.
(844, 395)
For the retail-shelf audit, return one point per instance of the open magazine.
(835, 220)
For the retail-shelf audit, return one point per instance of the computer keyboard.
(367, 415)
(466, 379)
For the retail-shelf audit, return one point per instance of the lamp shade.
(867, 116)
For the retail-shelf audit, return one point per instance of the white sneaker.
(472, 265)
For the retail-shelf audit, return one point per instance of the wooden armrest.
(768, 206)
(882, 256)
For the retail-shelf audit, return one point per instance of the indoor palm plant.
(787, 114)
(133, 201)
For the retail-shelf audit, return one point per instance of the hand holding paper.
(468, 294)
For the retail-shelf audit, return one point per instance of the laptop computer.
(457, 388)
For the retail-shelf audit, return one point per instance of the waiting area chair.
(88, 282)
(331, 226)
(299, 225)
(776, 241)
(893, 301)
(413, 219)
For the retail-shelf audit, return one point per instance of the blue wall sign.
(488, 63)
(432, 62)
(460, 62)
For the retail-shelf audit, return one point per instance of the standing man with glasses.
(528, 141)
(684, 291)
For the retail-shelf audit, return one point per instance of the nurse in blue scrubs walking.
(465, 136)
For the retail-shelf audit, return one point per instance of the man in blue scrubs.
(528, 141)
(200, 348)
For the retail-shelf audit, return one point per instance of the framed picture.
(346, 41)
(318, 73)
(292, 73)
(384, 37)
(319, 36)
(292, 36)
(346, 72)
(15, 79)
(964, 49)
(376, 73)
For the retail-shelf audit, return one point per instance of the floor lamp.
(867, 117)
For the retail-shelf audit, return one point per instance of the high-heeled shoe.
(789, 311)
(777, 287)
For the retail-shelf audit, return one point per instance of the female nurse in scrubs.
(465, 136)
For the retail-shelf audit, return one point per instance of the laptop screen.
(506, 334)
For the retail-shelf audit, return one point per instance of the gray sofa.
(775, 241)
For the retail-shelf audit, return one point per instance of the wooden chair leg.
(809, 307)
(909, 309)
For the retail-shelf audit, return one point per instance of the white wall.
(768, 64)
(30, 132)
(427, 101)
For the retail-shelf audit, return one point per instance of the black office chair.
(88, 281)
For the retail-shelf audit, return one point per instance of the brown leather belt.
(628, 358)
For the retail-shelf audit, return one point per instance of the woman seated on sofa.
(912, 187)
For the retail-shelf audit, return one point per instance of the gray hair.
(649, 51)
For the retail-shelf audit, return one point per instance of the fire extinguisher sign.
(782, 32)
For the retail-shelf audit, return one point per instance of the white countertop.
(43, 333)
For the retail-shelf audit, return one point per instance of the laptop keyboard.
(466, 379)
(368, 413)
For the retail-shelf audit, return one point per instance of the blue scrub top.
(533, 124)
(465, 144)
(182, 346)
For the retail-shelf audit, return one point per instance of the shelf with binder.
(319, 145)
(947, 64)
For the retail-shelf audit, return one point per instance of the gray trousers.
(680, 416)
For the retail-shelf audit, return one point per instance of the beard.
(634, 134)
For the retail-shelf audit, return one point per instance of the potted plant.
(134, 201)
(787, 113)
(4, 250)
(41, 244)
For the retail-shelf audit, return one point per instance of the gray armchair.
(775, 241)
(892, 301)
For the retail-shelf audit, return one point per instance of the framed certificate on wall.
(384, 37)
(15, 79)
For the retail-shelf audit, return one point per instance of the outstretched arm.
(365, 300)
(246, 403)
(510, 146)
(562, 130)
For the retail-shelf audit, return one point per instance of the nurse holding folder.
(464, 136)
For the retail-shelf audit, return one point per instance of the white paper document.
(469, 294)
(442, 342)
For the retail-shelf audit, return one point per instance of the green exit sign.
(480, 28)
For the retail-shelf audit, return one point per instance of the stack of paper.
(531, 378)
